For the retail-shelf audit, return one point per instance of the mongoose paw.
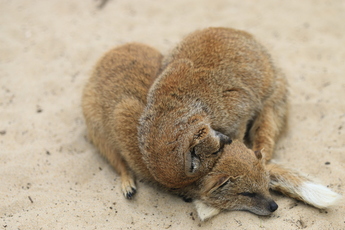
(128, 188)
(129, 194)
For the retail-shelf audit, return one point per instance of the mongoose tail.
(293, 184)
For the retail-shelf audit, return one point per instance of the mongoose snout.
(273, 206)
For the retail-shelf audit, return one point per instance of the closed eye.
(224, 184)
(195, 161)
(231, 90)
(219, 150)
(192, 152)
(249, 194)
(215, 153)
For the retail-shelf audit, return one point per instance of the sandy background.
(52, 178)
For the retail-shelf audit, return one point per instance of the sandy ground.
(52, 178)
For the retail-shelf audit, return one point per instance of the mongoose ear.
(204, 211)
(201, 133)
(201, 129)
(258, 154)
(215, 181)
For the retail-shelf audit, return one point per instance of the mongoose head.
(183, 155)
(239, 181)
(176, 139)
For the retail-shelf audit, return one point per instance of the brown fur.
(224, 175)
(222, 80)
(113, 100)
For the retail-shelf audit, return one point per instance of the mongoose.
(216, 82)
(239, 181)
(219, 82)
(113, 101)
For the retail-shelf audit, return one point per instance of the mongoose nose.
(273, 206)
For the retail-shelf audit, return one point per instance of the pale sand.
(52, 178)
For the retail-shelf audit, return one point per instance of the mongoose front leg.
(271, 121)
(127, 178)
(264, 132)
(128, 185)
(267, 128)
(118, 163)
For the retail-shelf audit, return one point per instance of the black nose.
(273, 206)
(224, 140)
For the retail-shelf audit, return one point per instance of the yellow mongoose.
(216, 82)
(113, 101)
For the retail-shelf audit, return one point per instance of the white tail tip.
(318, 195)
